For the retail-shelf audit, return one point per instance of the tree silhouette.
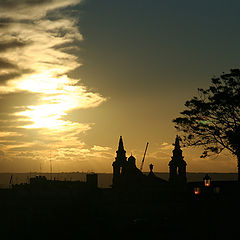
(212, 119)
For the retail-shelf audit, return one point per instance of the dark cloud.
(13, 70)
(11, 75)
(7, 76)
(16, 3)
(4, 22)
(6, 45)
(9, 102)
(4, 63)
(9, 143)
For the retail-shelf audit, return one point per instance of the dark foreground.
(115, 214)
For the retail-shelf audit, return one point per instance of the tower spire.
(177, 166)
(120, 145)
(177, 142)
(119, 163)
(121, 153)
(177, 152)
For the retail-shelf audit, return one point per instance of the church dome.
(132, 160)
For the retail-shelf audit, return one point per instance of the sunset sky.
(75, 75)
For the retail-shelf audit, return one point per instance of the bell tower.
(177, 166)
(119, 164)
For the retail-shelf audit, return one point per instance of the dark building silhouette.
(151, 171)
(131, 176)
(92, 180)
(125, 171)
(177, 166)
(119, 164)
(153, 181)
(41, 183)
(127, 175)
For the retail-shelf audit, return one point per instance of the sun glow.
(45, 83)
(44, 116)
(60, 95)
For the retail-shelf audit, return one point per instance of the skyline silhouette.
(137, 204)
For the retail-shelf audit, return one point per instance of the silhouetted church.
(177, 166)
(125, 172)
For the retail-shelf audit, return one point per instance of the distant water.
(104, 179)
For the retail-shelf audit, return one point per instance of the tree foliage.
(212, 119)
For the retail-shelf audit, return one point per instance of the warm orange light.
(206, 183)
(207, 180)
(196, 190)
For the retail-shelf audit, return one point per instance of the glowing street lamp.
(207, 180)
(196, 190)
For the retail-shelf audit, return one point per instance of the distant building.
(127, 175)
(177, 166)
(42, 183)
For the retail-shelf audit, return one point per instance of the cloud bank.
(37, 51)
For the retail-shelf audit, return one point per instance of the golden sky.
(75, 75)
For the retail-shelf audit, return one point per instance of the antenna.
(50, 169)
(144, 156)
(50, 163)
(10, 181)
